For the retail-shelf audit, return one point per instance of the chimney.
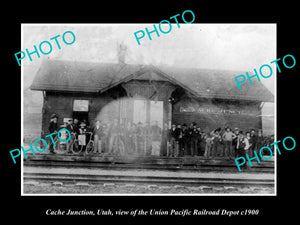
(121, 51)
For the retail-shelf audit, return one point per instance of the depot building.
(147, 93)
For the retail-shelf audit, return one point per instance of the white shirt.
(246, 141)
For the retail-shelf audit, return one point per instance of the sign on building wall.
(81, 105)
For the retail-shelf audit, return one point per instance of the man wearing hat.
(98, 135)
(252, 142)
(173, 137)
(82, 134)
(259, 140)
(52, 129)
(183, 141)
(112, 135)
(76, 125)
(242, 146)
(234, 141)
(70, 128)
(217, 139)
(194, 133)
(228, 136)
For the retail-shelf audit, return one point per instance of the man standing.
(105, 138)
(194, 139)
(148, 139)
(164, 146)
(217, 139)
(133, 138)
(76, 125)
(53, 129)
(208, 145)
(71, 129)
(252, 142)
(98, 134)
(259, 140)
(128, 138)
(183, 141)
(228, 137)
(174, 134)
(156, 133)
(113, 135)
(199, 141)
(242, 146)
(234, 141)
(82, 135)
(179, 140)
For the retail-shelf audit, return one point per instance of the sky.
(240, 47)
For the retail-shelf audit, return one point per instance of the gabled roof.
(58, 75)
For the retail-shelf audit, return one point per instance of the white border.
(22, 115)
(110, 24)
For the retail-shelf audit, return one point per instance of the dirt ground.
(112, 188)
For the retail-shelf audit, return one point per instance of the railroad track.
(66, 178)
(73, 178)
(161, 166)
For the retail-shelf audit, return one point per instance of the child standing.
(208, 145)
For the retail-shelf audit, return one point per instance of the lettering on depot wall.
(216, 110)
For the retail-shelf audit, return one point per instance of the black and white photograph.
(129, 109)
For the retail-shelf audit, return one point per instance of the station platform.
(191, 163)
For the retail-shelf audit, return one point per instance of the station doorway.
(148, 115)
(148, 112)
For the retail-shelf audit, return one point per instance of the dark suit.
(234, 144)
(173, 135)
(253, 147)
(259, 142)
(71, 128)
(52, 129)
(183, 142)
(240, 147)
(194, 134)
(76, 128)
(98, 131)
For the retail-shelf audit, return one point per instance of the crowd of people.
(151, 139)
(113, 138)
(223, 142)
